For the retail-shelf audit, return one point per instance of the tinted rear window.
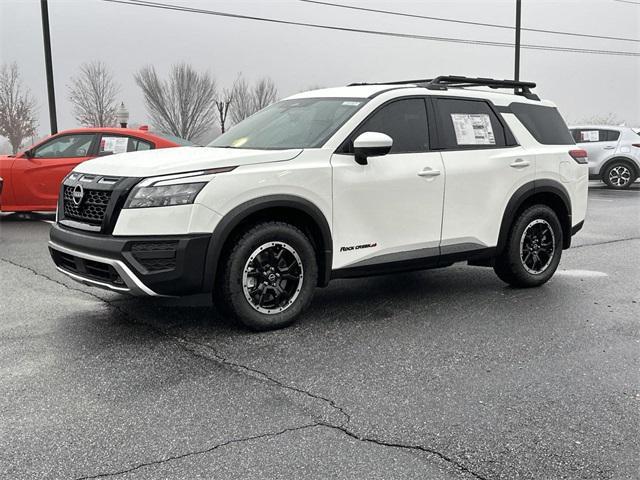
(611, 135)
(544, 123)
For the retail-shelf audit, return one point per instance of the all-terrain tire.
(257, 284)
(535, 234)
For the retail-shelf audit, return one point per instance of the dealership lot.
(438, 374)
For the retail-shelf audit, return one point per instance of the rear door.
(389, 211)
(483, 167)
(36, 180)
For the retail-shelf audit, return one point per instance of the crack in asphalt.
(47, 277)
(208, 353)
(198, 452)
(405, 446)
(194, 348)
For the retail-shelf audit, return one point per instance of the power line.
(465, 22)
(166, 6)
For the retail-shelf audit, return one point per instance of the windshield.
(301, 123)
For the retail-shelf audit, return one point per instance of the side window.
(405, 121)
(577, 135)
(592, 135)
(137, 145)
(589, 135)
(66, 146)
(544, 123)
(609, 135)
(112, 144)
(468, 124)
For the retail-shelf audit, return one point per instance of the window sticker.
(351, 104)
(473, 129)
(114, 144)
(590, 135)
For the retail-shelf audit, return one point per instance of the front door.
(389, 211)
(36, 180)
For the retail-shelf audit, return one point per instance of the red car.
(30, 180)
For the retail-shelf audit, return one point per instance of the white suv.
(334, 183)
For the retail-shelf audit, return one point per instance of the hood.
(166, 161)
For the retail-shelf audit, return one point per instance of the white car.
(614, 153)
(334, 183)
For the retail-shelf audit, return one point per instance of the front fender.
(233, 218)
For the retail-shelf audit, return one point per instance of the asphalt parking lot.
(443, 374)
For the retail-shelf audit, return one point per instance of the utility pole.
(44, 8)
(516, 74)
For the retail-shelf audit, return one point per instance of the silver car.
(614, 153)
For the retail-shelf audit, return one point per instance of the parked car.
(614, 153)
(334, 183)
(31, 179)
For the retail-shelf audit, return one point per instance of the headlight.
(164, 196)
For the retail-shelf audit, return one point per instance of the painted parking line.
(581, 273)
(47, 221)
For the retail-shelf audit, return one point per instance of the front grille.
(155, 256)
(87, 268)
(91, 210)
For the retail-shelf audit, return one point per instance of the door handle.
(608, 148)
(520, 163)
(428, 172)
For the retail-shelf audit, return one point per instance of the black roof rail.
(445, 81)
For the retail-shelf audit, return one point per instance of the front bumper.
(169, 265)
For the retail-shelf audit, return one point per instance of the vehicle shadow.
(357, 300)
(27, 216)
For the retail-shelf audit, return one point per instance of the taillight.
(579, 155)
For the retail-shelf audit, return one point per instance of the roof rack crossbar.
(445, 81)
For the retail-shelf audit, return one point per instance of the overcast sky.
(128, 37)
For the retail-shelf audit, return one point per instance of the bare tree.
(242, 104)
(264, 93)
(183, 105)
(248, 100)
(93, 95)
(222, 105)
(17, 107)
(608, 119)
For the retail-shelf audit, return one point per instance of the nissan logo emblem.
(78, 194)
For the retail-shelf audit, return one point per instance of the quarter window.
(405, 121)
(66, 146)
(468, 124)
(544, 123)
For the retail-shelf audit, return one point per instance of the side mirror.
(371, 144)
(29, 154)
